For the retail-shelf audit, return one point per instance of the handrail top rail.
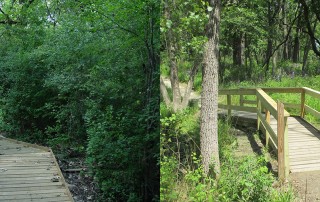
(269, 103)
(312, 92)
(268, 89)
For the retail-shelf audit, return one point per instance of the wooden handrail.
(313, 93)
(269, 103)
(277, 139)
(243, 91)
(281, 90)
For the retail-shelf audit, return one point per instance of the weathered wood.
(300, 144)
(268, 124)
(281, 147)
(25, 144)
(282, 90)
(61, 175)
(250, 102)
(258, 112)
(292, 106)
(237, 92)
(268, 129)
(26, 172)
(237, 108)
(241, 100)
(269, 103)
(312, 111)
(229, 105)
(313, 93)
(302, 103)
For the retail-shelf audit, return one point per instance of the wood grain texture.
(303, 140)
(26, 173)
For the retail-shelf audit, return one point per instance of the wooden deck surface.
(30, 173)
(304, 141)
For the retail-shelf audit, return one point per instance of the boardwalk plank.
(303, 139)
(26, 172)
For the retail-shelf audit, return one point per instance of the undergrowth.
(182, 178)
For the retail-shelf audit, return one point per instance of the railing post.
(303, 97)
(229, 106)
(282, 133)
(268, 121)
(258, 110)
(241, 100)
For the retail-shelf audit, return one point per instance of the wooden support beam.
(280, 133)
(241, 100)
(246, 91)
(283, 150)
(303, 97)
(238, 108)
(282, 90)
(313, 93)
(267, 112)
(258, 111)
(312, 111)
(229, 105)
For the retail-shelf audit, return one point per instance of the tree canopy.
(83, 77)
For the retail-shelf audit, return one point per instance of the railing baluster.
(241, 100)
(267, 112)
(282, 133)
(303, 97)
(258, 110)
(229, 106)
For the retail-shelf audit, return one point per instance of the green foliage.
(182, 177)
(83, 79)
(245, 180)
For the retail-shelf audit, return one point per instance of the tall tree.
(183, 40)
(209, 96)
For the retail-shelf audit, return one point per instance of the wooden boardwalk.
(304, 140)
(30, 173)
(295, 141)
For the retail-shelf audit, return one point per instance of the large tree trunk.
(188, 90)
(238, 49)
(209, 98)
(164, 93)
(285, 30)
(305, 57)
(296, 46)
(170, 43)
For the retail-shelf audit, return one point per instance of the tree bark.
(314, 41)
(174, 79)
(296, 46)
(186, 97)
(285, 30)
(209, 98)
(164, 93)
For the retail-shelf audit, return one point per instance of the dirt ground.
(80, 184)
(306, 185)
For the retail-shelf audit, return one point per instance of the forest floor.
(81, 185)
(306, 185)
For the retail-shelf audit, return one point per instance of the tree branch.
(313, 39)
(286, 38)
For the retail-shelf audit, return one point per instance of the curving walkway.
(30, 173)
